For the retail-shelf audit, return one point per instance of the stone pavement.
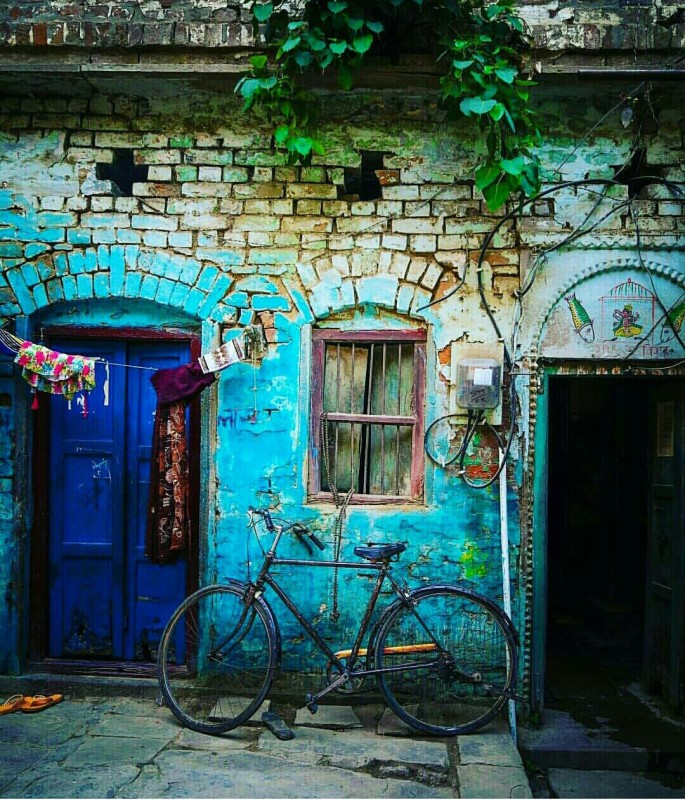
(110, 747)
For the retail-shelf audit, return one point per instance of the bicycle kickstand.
(312, 700)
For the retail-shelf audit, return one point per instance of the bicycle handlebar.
(298, 528)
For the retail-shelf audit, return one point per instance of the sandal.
(12, 704)
(276, 725)
(30, 705)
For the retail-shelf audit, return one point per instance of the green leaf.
(496, 193)
(462, 64)
(514, 166)
(290, 44)
(355, 23)
(497, 112)
(249, 86)
(316, 43)
(325, 59)
(303, 145)
(338, 47)
(258, 62)
(476, 105)
(281, 134)
(510, 120)
(486, 174)
(506, 74)
(262, 11)
(337, 7)
(318, 147)
(375, 26)
(361, 44)
(303, 58)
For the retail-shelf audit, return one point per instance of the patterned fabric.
(168, 520)
(55, 373)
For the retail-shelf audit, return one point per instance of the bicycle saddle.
(377, 552)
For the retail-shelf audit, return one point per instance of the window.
(367, 414)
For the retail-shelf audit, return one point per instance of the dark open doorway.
(599, 635)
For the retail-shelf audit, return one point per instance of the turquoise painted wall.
(224, 234)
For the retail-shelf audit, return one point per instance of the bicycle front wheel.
(450, 660)
(217, 659)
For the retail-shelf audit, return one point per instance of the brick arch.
(387, 279)
(199, 288)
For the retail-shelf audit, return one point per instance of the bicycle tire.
(466, 678)
(215, 670)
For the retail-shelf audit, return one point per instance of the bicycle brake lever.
(301, 538)
(317, 541)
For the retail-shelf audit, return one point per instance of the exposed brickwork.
(614, 25)
(218, 207)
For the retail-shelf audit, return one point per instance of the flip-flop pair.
(29, 705)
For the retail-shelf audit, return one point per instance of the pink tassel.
(34, 405)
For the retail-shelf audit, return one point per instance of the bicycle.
(444, 658)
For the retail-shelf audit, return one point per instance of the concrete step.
(564, 743)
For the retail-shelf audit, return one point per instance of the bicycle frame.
(383, 569)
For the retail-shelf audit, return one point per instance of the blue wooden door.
(106, 600)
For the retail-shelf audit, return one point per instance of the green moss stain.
(474, 562)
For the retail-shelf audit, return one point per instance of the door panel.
(107, 600)
(665, 600)
(153, 588)
(86, 515)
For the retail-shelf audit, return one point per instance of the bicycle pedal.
(312, 705)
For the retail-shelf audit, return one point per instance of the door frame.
(536, 535)
(39, 542)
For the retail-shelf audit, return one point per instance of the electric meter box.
(478, 383)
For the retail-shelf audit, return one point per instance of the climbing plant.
(481, 43)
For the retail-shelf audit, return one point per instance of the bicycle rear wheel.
(454, 679)
(217, 659)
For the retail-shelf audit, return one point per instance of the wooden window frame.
(323, 336)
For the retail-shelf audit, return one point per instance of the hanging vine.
(481, 46)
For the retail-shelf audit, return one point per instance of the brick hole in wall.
(123, 172)
(362, 182)
(632, 172)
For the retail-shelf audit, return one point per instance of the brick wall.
(226, 231)
(218, 24)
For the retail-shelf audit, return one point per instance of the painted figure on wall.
(626, 322)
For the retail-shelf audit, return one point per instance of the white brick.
(416, 269)
(423, 244)
(400, 192)
(394, 241)
(127, 205)
(431, 276)
(418, 226)
(101, 203)
(159, 172)
(399, 264)
(52, 203)
(77, 203)
(181, 239)
(212, 174)
(154, 222)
